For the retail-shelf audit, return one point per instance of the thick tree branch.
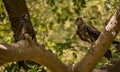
(14, 52)
(100, 46)
(23, 51)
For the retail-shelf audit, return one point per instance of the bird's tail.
(108, 55)
(115, 42)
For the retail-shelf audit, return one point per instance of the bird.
(90, 34)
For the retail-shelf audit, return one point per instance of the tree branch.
(100, 46)
(23, 51)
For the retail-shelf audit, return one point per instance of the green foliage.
(11, 68)
(5, 31)
(54, 23)
(59, 47)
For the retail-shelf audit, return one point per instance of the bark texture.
(24, 50)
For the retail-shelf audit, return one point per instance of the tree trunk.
(16, 10)
(20, 21)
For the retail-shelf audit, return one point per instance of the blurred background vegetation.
(54, 23)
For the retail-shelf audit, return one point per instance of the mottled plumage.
(89, 33)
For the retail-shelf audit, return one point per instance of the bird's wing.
(82, 33)
(93, 32)
(79, 33)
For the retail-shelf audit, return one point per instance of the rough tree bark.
(24, 50)
(28, 49)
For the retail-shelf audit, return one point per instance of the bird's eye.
(77, 19)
